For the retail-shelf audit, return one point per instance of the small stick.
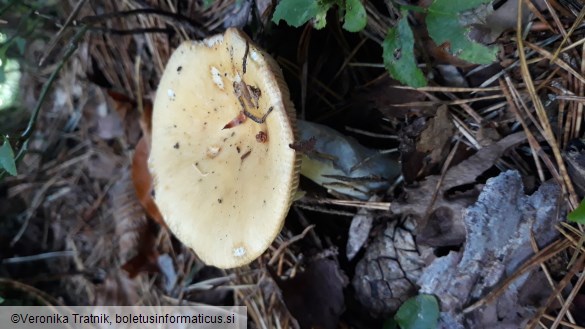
(245, 59)
(255, 118)
(287, 243)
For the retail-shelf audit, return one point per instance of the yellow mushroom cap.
(223, 182)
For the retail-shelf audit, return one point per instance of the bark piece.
(499, 226)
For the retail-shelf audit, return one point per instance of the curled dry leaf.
(467, 171)
(435, 139)
(424, 145)
(141, 176)
(143, 181)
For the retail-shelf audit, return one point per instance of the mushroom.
(223, 172)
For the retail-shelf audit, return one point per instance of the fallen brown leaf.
(143, 181)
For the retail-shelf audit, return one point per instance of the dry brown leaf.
(143, 181)
(434, 140)
(424, 145)
(146, 122)
(467, 171)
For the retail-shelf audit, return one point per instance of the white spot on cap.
(213, 151)
(255, 56)
(239, 252)
(171, 94)
(212, 41)
(216, 76)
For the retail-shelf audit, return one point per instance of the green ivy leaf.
(398, 54)
(421, 311)
(445, 28)
(578, 215)
(7, 158)
(207, 3)
(355, 16)
(298, 12)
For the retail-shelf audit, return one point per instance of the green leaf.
(7, 158)
(355, 16)
(398, 54)
(445, 28)
(421, 311)
(578, 215)
(2, 74)
(20, 44)
(298, 12)
(320, 20)
(1, 300)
